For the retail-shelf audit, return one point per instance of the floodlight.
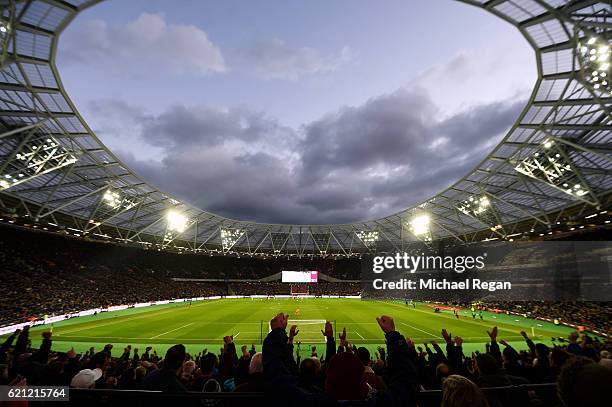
(479, 208)
(594, 57)
(112, 199)
(115, 201)
(420, 225)
(368, 237)
(36, 157)
(177, 222)
(229, 237)
(552, 164)
(475, 206)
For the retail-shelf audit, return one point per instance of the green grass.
(204, 324)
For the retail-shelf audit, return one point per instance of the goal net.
(310, 329)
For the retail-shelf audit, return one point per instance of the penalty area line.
(175, 329)
(418, 329)
(119, 319)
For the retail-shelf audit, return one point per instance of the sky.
(297, 111)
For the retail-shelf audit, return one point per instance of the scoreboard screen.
(300, 276)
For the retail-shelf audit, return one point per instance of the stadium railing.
(134, 398)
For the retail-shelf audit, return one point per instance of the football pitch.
(203, 324)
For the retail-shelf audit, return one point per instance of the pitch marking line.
(144, 340)
(119, 319)
(235, 336)
(359, 335)
(317, 339)
(418, 329)
(479, 324)
(176, 329)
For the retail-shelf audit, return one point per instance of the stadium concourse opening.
(114, 292)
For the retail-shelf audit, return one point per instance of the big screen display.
(300, 276)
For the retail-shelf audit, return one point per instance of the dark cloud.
(355, 164)
(181, 127)
(381, 132)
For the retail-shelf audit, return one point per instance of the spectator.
(458, 391)
(211, 386)
(606, 359)
(255, 379)
(584, 383)
(86, 378)
(167, 378)
(371, 378)
(346, 378)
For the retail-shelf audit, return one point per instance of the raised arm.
(403, 381)
(22, 341)
(7, 344)
(529, 342)
(455, 354)
(293, 366)
(42, 354)
(494, 348)
(510, 349)
(125, 356)
(328, 333)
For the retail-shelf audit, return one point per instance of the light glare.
(420, 225)
(177, 222)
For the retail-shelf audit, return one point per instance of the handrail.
(238, 395)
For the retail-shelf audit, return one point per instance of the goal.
(310, 330)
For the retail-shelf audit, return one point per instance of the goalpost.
(310, 330)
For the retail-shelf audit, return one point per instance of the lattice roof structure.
(555, 162)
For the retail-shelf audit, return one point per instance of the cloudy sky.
(297, 111)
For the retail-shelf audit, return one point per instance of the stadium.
(123, 292)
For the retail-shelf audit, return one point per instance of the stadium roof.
(555, 162)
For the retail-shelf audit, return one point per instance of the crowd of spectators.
(593, 316)
(259, 288)
(285, 372)
(79, 253)
(327, 288)
(45, 274)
